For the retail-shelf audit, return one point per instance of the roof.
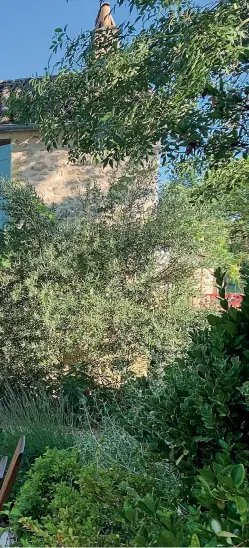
(6, 124)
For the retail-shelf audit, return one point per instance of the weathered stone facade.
(52, 175)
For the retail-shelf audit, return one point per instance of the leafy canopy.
(180, 79)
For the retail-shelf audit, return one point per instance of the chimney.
(104, 18)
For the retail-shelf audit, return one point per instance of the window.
(5, 158)
(234, 287)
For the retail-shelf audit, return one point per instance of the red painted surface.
(234, 299)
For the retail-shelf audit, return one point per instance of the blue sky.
(26, 30)
(27, 26)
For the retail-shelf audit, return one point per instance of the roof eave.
(17, 127)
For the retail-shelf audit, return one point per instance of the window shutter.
(5, 161)
(5, 171)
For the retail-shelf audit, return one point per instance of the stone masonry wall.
(51, 174)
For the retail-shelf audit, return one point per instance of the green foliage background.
(101, 287)
(160, 460)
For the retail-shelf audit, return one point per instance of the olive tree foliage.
(113, 282)
(178, 77)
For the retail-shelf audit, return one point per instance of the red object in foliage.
(234, 299)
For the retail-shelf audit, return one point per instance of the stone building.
(23, 155)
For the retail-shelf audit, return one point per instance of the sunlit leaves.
(181, 81)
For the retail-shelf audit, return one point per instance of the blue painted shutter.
(5, 171)
(5, 161)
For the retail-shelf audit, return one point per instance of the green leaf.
(143, 532)
(206, 501)
(207, 473)
(140, 541)
(226, 534)
(231, 328)
(180, 458)
(16, 512)
(106, 117)
(238, 474)
(222, 292)
(223, 444)
(194, 540)
(224, 304)
(130, 514)
(58, 30)
(149, 503)
(215, 526)
(160, 541)
(165, 518)
(212, 542)
(221, 504)
(204, 483)
(225, 481)
(167, 535)
(241, 505)
(213, 320)
(233, 313)
(219, 274)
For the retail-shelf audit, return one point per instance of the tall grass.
(44, 421)
(49, 422)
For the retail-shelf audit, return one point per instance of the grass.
(48, 422)
(43, 421)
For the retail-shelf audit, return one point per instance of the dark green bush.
(204, 398)
(219, 515)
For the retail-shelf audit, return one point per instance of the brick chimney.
(104, 18)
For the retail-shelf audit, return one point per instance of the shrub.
(203, 398)
(219, 512)
(65, 503)
(115, 293)
(111, 445)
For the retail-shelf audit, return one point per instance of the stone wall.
(51, 174)
(206, 281)
(205, 286)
